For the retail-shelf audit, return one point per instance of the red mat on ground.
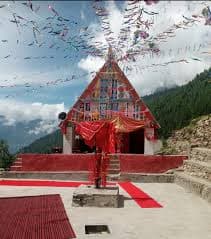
(43, 183)
(34, 217)
(140, 197)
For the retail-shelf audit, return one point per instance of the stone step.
(114, 157)
(65, 175)
(113, 171)
(113, 161)
(114, 166)
(147, 177)
(198, 186)
(201, 154)
(198, 169)
(17, 163)
(15, 168)
(18, 158)
(113, 177)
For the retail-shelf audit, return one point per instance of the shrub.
(6, 158)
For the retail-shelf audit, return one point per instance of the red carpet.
(43, 183)
(40, 183)
(36, 217)
(140, 197)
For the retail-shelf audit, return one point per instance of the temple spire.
(110, 55)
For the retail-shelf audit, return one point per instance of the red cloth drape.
(101, 133)
(98, 133)
(125, 124)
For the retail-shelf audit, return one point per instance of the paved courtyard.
(183, 215)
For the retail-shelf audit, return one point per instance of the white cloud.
(47, 114)
(173, 74)
(187, 44)
(82, 15)
(36, 78)
(115, 18)
(91, 64)
(44, 127)
(37, 70)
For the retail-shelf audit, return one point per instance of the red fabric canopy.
(125, 124)
(101, 133)
(98, 133)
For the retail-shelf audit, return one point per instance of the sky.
(41, 75)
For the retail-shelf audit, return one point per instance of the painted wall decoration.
(110, 94)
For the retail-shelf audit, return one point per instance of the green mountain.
(44, 144)
(17, 136)
(173, 108)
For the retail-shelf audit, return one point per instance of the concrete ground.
(183, 215)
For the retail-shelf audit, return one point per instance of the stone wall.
(199, 164)
(197, 134)
(196, 176)
(201, 154)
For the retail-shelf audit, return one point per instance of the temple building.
(109, 96)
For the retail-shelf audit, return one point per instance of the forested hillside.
(44, 144)
(173, 109)
(17, 135)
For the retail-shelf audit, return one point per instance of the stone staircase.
(114, 168)
(196, 176)
(17, 165)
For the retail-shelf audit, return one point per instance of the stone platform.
(196, 177)
(89, 196)
(184, 215)
(84, 176)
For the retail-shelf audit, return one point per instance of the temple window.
(82, 106)
(114, 106)
(114, 89)
(87, 106)
(127, 108)
(104, 88)
(103, 108)
(88, 118)
(114, 94)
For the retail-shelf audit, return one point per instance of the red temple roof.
(109, 94)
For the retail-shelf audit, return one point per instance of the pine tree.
(5, 157)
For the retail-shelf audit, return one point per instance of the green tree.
(175, 108)
(6, 158)
(45, 144)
